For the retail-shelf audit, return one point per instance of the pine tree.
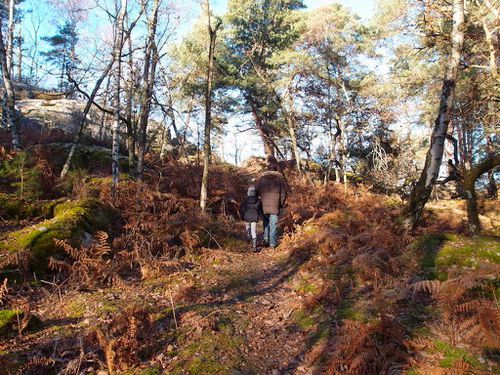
(62, 54)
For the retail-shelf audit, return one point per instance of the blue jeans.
(270, 229)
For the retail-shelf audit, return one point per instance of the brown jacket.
(272, 191)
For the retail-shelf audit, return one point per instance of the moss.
(304, 320)
(467, 252)
(427, 246)
(215, 352)
(151, 371)
(14, 207)
(442, 252)
(76, 309)
(307, 320)
(8, 322)
(346, 310)
(453, 354)
(107, 307)
(393, 203)
(71, 220)
(8, 319)
(306, 287)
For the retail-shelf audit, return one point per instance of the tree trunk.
(212, 32)
(10, 38)
(150, 62)
(422, 190)
(131, 133)
(488, 34)
(165, 140)
(12, 119)
(100, 134)
(470, 178)
(117, 52)
(81, 125)
(293, 137)
(269, 149)
(20, 55)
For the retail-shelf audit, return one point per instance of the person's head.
(251, 191)
(272, 167)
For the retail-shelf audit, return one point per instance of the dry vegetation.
(168, 289)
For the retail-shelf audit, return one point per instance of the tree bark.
(10, 38)
(20, 55)
(470, 178)
(423, 188)
(100, 134)
(117, 52)
(81, 125)
(212, 32)
(150, 62)
(269, 149)
(12, 118)
(293, 138)
(131, 133)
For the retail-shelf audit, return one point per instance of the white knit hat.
(251, 191)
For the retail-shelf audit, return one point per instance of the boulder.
(72, 219)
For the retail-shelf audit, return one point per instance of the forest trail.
(254, 295)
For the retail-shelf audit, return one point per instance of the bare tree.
(10, 105)
(10, 38)
(117, 52)
(19, 55)
(81, 125)
(150, 62)
(212, 33)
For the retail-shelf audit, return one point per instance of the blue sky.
(363, 8)
(99, 26)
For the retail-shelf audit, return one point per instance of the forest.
(249, 187)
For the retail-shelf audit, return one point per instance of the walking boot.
(254, 245)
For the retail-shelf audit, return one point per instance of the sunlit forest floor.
(144, 283)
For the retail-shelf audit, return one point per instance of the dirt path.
(235, 312)
(254, 295)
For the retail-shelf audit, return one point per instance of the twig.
(212, 237)
(19, 330)
(173, 310)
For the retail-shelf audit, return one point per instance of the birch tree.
(422, 190)
(10, 37)
(10, 105)
(117, 52)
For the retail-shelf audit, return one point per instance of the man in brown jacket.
(271, 188)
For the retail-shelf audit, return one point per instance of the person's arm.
(243, 208)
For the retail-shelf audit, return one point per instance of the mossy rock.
(14, 207)
(72, 219)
